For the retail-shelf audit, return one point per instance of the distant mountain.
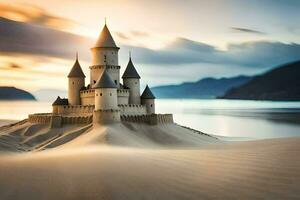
(282, 83)
(12, 93)
(49, 94)
(204, 88)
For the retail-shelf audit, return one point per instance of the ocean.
(232, 118)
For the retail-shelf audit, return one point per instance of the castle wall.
(55, 109)
(153, 119)
(132, 109)
(58, 120)
(106, 98)
(123, 96)
(100, 116)
(78, 109)
(106, 116)
(87, 97)
(75, 85)
(150, 105)
(125, 109)
(134, 93)
(40, 118)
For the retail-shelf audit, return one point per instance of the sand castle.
(104, 100)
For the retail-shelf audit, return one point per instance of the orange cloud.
(34, 15)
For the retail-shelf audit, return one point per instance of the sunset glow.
(162, 29)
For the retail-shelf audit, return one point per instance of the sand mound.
(267, 169)
(32, 137)
(143, 136)
(36, 137)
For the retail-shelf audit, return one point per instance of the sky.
(172, 41)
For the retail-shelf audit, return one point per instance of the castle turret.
(131, 79)
(148, 99)
(105, 56)
(58, 104)
(76, 83)
(106, 106)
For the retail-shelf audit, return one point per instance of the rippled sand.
(133, 163)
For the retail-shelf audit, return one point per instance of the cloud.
(246, 30)
(20, 37)
(34, 15)
(263, 53)
(256, 54)
(139, 34)
(122, 36)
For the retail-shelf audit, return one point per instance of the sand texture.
(130, 161)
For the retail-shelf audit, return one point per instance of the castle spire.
(104, 81)
(147, 94)
(130, 71)
(105, 40)
(76, 70)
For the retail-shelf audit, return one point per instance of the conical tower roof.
(105, 39)
(76, 70)
(60, 101)
(130, 71)
(105, 81)
(147, 94)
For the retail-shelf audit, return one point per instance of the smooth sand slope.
(130, 161)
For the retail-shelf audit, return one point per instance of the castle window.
(116, 82)
(94, 81)
(151, 105)
(73, 82)
(100, 94)
(110, 94)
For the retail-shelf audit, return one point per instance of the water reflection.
(251, 119)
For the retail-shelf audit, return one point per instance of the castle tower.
(106, 106)
(76, 83)
(131, 79)
(105, 56)
(148, 99)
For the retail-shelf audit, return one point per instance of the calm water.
(249, 119)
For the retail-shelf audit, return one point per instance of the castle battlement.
(101, 116)
(153, 119)
(105, 66)
(123, 91)
(131, 105)
(87, 91)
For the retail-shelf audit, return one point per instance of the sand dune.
(268, 169)
(131, 161)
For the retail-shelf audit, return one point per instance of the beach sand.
(129, 161)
